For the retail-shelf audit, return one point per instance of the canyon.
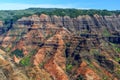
(43, 47)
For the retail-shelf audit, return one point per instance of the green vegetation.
(69, 67)
(7, 15)
(117, 59)
(105, 78)
(90, 64)
(18, 53)
(116, 47)
(41, 64)
(94, 51)
(68, 44)
(33, 52)
(76, 12)
(49, 35)
(7, 49)
(118, 71)
(25, 61)
(106, 33)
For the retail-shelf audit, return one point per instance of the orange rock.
(44, 17)
(56, 71)
(15, 59)
(88, 73)
(38, 58)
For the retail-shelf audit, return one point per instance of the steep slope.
(62, 48)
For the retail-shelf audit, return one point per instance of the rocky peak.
(44, 17)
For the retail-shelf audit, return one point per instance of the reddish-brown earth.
(61, 48)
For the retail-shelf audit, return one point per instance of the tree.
(18, 53)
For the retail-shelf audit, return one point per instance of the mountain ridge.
(6, 15)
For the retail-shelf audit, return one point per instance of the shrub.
(7, 49)
(106, 33)
(18, 53)
(69, 67)
(25, 61)
(116, 47)
(117, 59)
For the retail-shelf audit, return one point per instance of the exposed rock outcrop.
(61, 48)
(1, 23)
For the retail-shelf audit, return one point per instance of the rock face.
(80, 24)
(89, 73)
(1, 24)
(61, 48)
(1, 27)
(56, 64)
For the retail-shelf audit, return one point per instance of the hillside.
(57, 46)
(6, 15)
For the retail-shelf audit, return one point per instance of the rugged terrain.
(43, 47)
